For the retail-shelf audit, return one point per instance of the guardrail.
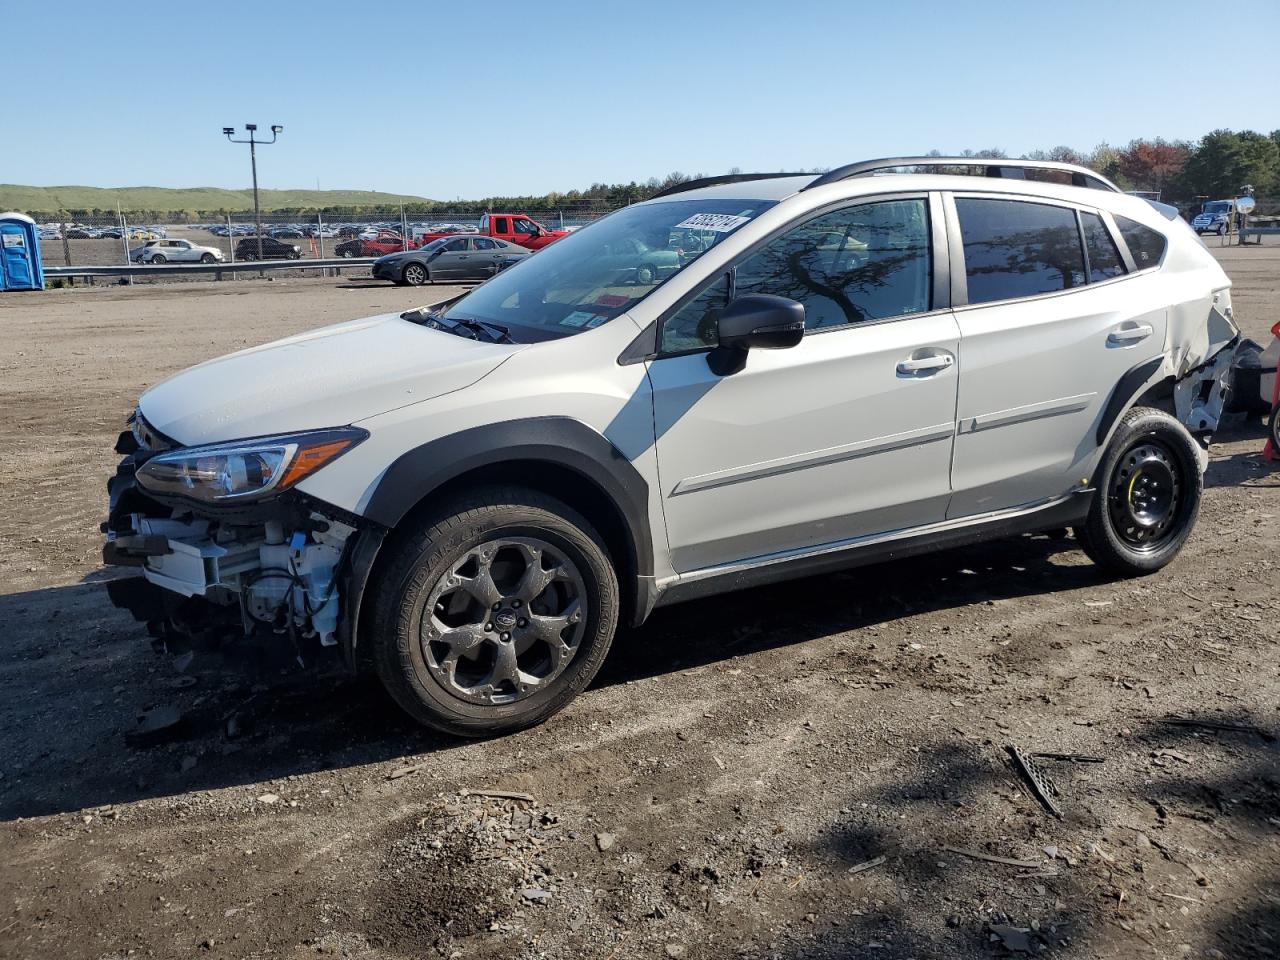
(240, 266)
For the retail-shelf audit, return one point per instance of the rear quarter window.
(1147, 246)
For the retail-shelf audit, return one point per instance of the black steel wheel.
(416, 274)
(493, 613)
(1148, 490)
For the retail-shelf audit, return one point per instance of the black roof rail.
(715, 181)
(1010, 169)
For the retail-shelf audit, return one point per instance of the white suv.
(176, 251)
(889, 358)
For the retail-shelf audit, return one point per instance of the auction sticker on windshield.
(719, 222)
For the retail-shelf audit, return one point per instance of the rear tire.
(1273, 429)
(452, 643)
(159, 258)
(1149, 488)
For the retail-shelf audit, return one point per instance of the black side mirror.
(755, 320)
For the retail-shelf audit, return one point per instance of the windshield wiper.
(494, 331)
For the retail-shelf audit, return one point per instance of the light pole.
(276, 130)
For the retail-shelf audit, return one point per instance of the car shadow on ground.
(75, 675)
(962, 908)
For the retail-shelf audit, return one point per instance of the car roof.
(782, 188)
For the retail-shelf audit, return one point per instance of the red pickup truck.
(512, 227)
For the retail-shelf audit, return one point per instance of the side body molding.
(559, 441)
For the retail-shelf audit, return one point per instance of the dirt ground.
(816, 769)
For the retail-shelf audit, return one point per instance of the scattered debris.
(1188, 593)
(399, 772)
(1007, 861)
(269, 798)
(1017, 939)
(867, 865)
(605, 841)
(1219, 725)
(1041, 785)
(1069, 757)
(535, 895)
(499, 795)
(1172, 755)
(155, 726)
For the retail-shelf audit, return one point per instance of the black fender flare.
(1127, 389)
(559, 441)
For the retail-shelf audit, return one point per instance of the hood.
(323, 378)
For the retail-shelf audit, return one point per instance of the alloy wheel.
(504, 621)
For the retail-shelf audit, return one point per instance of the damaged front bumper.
(286, 572)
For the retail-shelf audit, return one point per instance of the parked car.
(272, 249)
(1214, 217)
(374, 245)
(110, 233)
(469, 498)
(449, 258)
(175, 251)
(287, 233)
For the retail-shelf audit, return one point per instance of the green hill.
(71, 198)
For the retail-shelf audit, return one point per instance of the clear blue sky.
(473, 98)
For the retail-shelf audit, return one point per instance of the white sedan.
(174, 251)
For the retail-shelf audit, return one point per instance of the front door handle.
(1132, 334)
(916, 365)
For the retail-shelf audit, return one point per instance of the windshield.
(599, 272)
(1217, 206)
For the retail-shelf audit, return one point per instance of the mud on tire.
(1149, 489)
(493, 611)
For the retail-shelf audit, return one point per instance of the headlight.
(247, 469)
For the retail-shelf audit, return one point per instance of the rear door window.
(1104, 258)
(1146, 245)
(500, 225)
(1014, 249)
(484, 243)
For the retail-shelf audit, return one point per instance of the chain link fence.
(119, 240)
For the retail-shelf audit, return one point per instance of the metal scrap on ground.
(1041, 785)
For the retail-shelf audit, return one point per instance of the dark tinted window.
(500, 225)
(868, 262)
(1104, 258)
(1145, 244)
(1016, 249)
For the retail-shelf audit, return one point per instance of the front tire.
(493, 612)
(415, 274)
(208, 258)
(1149, 488)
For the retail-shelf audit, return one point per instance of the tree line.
(1217, 166)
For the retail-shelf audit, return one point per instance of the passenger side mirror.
(755, 320)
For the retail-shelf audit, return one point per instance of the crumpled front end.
(270, 572)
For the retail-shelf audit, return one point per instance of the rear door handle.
(915, 365)
(1130, 334)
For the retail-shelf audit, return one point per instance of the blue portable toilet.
(20, 267)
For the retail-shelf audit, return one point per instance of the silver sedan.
(449, 259)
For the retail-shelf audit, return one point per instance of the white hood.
(328, 377)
